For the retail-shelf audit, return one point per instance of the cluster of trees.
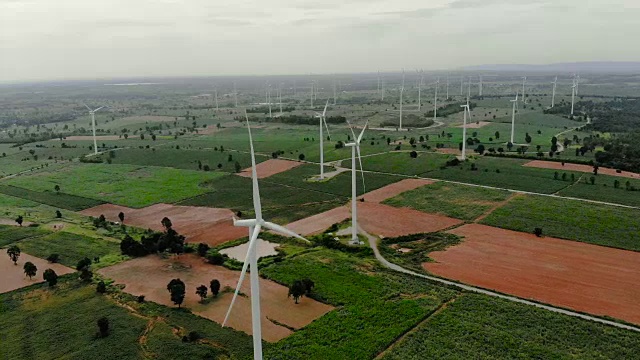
(409, 121)
(449, 109)
(265, 109)
(621, 152)
(300, 288)
(29, 268)
(169, 240)
(177, 290)
(307, 120)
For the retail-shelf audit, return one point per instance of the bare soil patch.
(212, 226)
(320, 222)
(389, 221)
(150, 275)
(584, 277)
(263, 248)
(270, 167)
(12, 276)
(389, 191)
(12, 222)
(579, 167)
(474, 125)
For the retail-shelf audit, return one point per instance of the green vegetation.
(458, 201)
(605, 190)
(125, 185)
(479, 327)
(570, 219)
(419, 246)
(10, 234)
(73, 248)
(402, 163)
(50, 197)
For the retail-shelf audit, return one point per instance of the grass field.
(402, 163)
(479, 327)
(73, 248)
(374, 309)
(49, 197)
(458, 201)
(571, 219)
(10, 234)
(126, 185)
(604, 190)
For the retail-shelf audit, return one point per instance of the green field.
(60, 200)
(402, 163)
(570, 219)
(479, 327)
(10, 233)
(458, 201)
(126, 185)
(73, 248)
(604, 190)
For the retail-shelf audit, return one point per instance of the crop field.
(478, 327)
(402, 163)
(604, 190)
(458, 201)
(369, 318)
(73, 248)
(126, 185)
(569, 219)
(10, 233)
(50, 197)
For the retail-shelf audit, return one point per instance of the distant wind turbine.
(573, 96)
(447, 87)
(401, 93)
(216, 95)
(235, 93)
(420, 79)
(93, 126)
(461, 85)
(435, 101)
(323, 119)
(480, 86)
(355, 148)
(513, 116)
(251, 259)
(524, 81)
(280, 97)
(464, 130)
(312, 84)
(553, 94)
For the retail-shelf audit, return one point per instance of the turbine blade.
(364, 189)
(98, 108)
(85, 105)
(254, 237)
(362, 132)
(325, 109)
(352, 133)
(257, 206)
(283, 230)
(326, 126)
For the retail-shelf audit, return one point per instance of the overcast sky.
(77, 39)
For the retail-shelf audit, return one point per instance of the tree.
(202, 249)
(19, 220)
(215, 258)
(166, 222)
(53, 258)
(388, 140)
(153, 137)
(177, 290)
(208, 168)
(308, 285)
(555, 175)
(413, 154)
(83, 264)
(57, 188)
(30, 269)
(101, 288)
(238, 167)
(202, 292)
(214, 285)
(480, 149)
(564, 176)
(121, 216)
(230, 158)
(509, 145)
(297, 289)
(58, 214)
(14, 253)
(497, 135)
(50, 277)
(592, 180)
(103, 326)
(301, 157)
(527, 138)
(537, 231)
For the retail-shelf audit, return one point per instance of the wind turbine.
(464, 130)
(382, 94)
(480, 86)
(447, 87)
(323, 119)
(553, 94)
(420, 78)
(573, 96)
(93, 126)
(577, 83)
(378, 81)
(216, 92)
(401, 92)
(355, 148)
(312, 94)
(235, 93)
(435, 101)
(255, 225)
(335, 92)
(513, 116)
(524, 81)
(268, 96)
(461, 85)
(280, 97)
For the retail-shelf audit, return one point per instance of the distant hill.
(592, 66)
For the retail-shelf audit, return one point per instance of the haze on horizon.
(73, 39)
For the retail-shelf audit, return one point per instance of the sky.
(97, 39)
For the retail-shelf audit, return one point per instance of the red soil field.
(389, 191)
(473, 125)
(579, 167)
(150, 275)
(583, 277)
(389, 221)
(318, 223)
(199, 224)
(270, 167)
(12, 276)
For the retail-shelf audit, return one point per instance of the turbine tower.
(553, 94)
(323, 119)
(513, 116)
(577, 83)
(268, 97)
(420, 78)
(280, 97)
(401, 92)
(335, 93)
(573, 96)
(251, 259)
(480, 86)
(464, 130)
(524, 81)
(93, 127)
(312, 94)
(216, 95)
(355, 148)
(435, 101)
(447, 87)
(461, 85)
(235, 93)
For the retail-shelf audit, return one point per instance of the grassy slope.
(458, 201)
(479, 327)
(570, 219)
(60, 200)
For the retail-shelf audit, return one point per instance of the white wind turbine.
(280, 97)
(420, 79)
(335, 92)
(401, 92)
(513, 116)
(577, 83)
(553, 94)
(216, 95)
(461, 85)
(464, 130)
(447, 87)
(355, 148)
(235, 93)
(268, 96)
(480, 86)
(255, 225)
(524, 81)
(435, 101)
(573, 96)
(323, 119)
(93, 126)
(312, 94)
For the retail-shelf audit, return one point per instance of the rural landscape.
(123, 229)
